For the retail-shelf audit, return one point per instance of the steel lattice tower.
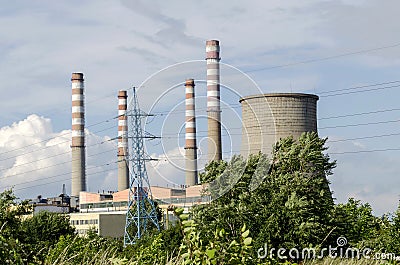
(141, 210)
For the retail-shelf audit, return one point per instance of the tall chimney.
(78, 135)
(190, 136)
(123, 166)
(213, 101)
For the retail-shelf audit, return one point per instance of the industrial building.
(60, 204)
(107, 224)
(105, 213)
(267, 118)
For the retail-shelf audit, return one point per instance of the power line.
(357, 87)
(364, 137)
(45, 158)
(43, 184)
(49, 166)
(47, 183)
(339, 140)
(235, 106)
(173, 135)
(166, 158)
(54, 137)
(365, 151)
(55, 145)
(324, 58)
(360, 91)
(93, 133)
(332, 117)
(358, 114)
(358, 124)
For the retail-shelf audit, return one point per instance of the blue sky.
(119, 44)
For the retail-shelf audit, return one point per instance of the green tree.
(291, 206)
(11, 212)
(394, 243)
(383, 235)
(41, 231)
(11, 249)
(212, 171)
(354, 221)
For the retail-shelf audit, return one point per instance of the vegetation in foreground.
(282, 203)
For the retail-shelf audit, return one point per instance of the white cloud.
(36, 160)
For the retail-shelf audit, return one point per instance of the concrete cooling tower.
(269, 117)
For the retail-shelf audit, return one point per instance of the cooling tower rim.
(279, 95)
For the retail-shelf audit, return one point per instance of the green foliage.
(11, 249)
(384, 236)
(291, 206)
(362, 229)
(72, 249)
(212, 171)
(42, 231)
(355, 221)
(220, 250)
(11, 212)
(156, 246)
(393, 244)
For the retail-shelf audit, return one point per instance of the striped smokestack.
(190, 136)
(123, 170)
(78, 135)
(213, 101)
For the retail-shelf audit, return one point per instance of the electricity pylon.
(141, 211)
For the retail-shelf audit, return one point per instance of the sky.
(347, 52)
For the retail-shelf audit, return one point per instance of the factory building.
(59, 204)
(107, 224)
(267, 118)
(105, 213)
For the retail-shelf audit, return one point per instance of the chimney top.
(212, 42)
(189, 82)
(122, 93)
(77, 76)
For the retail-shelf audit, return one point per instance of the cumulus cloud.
(37, 161)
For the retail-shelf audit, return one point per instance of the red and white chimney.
(123, 162)
(190, 135)
(78, 135)
(213, 101)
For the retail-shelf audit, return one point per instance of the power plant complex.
(266, 118)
